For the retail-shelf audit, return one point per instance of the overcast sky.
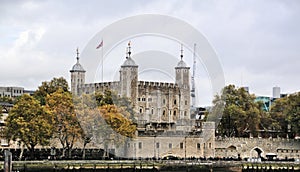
(256, 41)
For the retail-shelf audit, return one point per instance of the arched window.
(175, 102)
(174, 113)
(152, 111)
(164, 112)
(141, 109)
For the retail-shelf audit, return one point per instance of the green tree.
(285, 113)
(241, 113)
(67, 127)
(48, 88)
(279, 116)
(293, 112)
(29, 123)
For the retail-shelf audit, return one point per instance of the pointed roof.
(129, 62)
(77, 67)
(181, 63)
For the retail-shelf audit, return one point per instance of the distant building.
(11, 91)
(276, 92)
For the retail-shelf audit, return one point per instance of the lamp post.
(185, 148)
(154, 145)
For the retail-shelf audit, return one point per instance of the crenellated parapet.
(143, 84)
(94, 87)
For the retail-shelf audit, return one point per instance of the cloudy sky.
(257, 42)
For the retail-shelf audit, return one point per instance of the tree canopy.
(104, 118)
(241, 115)
(286, 114)
(29, 123)
(66, 126)
(49, 87)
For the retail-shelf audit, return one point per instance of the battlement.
(107, 84)
(157, 84)
(100, 85)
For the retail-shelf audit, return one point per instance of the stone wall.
(257, 147)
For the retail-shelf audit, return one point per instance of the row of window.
(178, 70)
(144, 99)
(72, 80)
(163, 101)
(164, 112)
(18, 91)
(170, 145)
(288, 150)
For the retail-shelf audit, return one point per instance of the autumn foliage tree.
(49, 87)
(66, 125)
(29, 123)
(103, 118)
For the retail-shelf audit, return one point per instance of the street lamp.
(185, 148)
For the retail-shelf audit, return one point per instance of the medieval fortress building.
(162, 110)
(166, 123)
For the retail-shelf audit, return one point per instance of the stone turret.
(129, 77)
(77, 76)
(182, 73)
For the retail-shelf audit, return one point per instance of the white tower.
(129, 77)
(77, 76)
(183, 81)
(276, 92)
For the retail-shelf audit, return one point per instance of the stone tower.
(129, 77)
(77, 76)
(183, 80)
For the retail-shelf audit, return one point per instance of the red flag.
(100, 45)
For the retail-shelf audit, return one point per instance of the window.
(157, 145)
(140, 145)
(164, 112)
(209, 145)
(204, 145)
(139, 99)
(198, 146)
(175, 102)
(170, 145)
(164, 101)
(174, 113)
(128, 145)
(181, 145)
(185, 113)
(143, 99)
(185, 102)
(141, 109)
(152, 111)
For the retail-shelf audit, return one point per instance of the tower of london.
(162, 111)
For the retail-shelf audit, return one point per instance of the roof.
(181, 63)
(77, 68)
(129, 62)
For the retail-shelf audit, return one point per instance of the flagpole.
(102, 60)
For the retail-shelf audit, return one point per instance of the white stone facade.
(162, 111)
